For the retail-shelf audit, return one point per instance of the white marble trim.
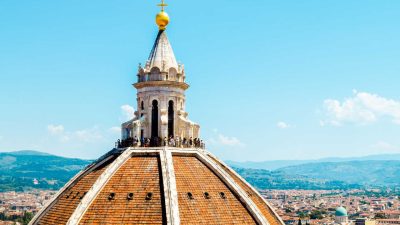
(252, 208)
(97, 187)
(170, 191)
(249, 185)
(73, 180)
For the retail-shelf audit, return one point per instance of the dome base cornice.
(161, 83)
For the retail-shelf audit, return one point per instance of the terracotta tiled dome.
(157, 186)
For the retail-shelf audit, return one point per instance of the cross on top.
(162, 5)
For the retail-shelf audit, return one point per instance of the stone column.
(164, 123)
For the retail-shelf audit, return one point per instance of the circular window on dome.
(68, 195)
(76, 195)
(129, 196)
(111, 196)
(149, 196)
(83, 195)
(190, 195)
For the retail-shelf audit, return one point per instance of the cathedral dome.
(341, 211)
(157, 186)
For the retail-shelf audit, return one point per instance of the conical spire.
(162, 56)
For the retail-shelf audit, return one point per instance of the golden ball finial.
(162, 20)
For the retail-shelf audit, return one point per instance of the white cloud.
(84, 135)
(88, 135)
(362, 108)
(128, 111)
(58, 131)
(282, 125)
(65, 138)
(115, 130)
(229, 141)
(221, 139)
(385, 147)
(55, 129)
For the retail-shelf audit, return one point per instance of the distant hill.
(277, 164)
(27, 152)
(24, 170)
(267, 165)
(264, 179)
(369, 173)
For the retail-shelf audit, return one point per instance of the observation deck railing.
(158, 142)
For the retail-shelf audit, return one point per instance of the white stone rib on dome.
(162, 56)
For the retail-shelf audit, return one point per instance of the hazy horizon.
(238, 161)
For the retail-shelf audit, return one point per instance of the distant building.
(387, 221)
(341, 216)
(9, 223)
(364, 221)
(289, 220)
(391, 214)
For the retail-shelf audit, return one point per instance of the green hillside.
(264, 179)
(278, 164)
(18, 170)
(370, 173)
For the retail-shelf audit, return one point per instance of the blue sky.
(269, 79)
